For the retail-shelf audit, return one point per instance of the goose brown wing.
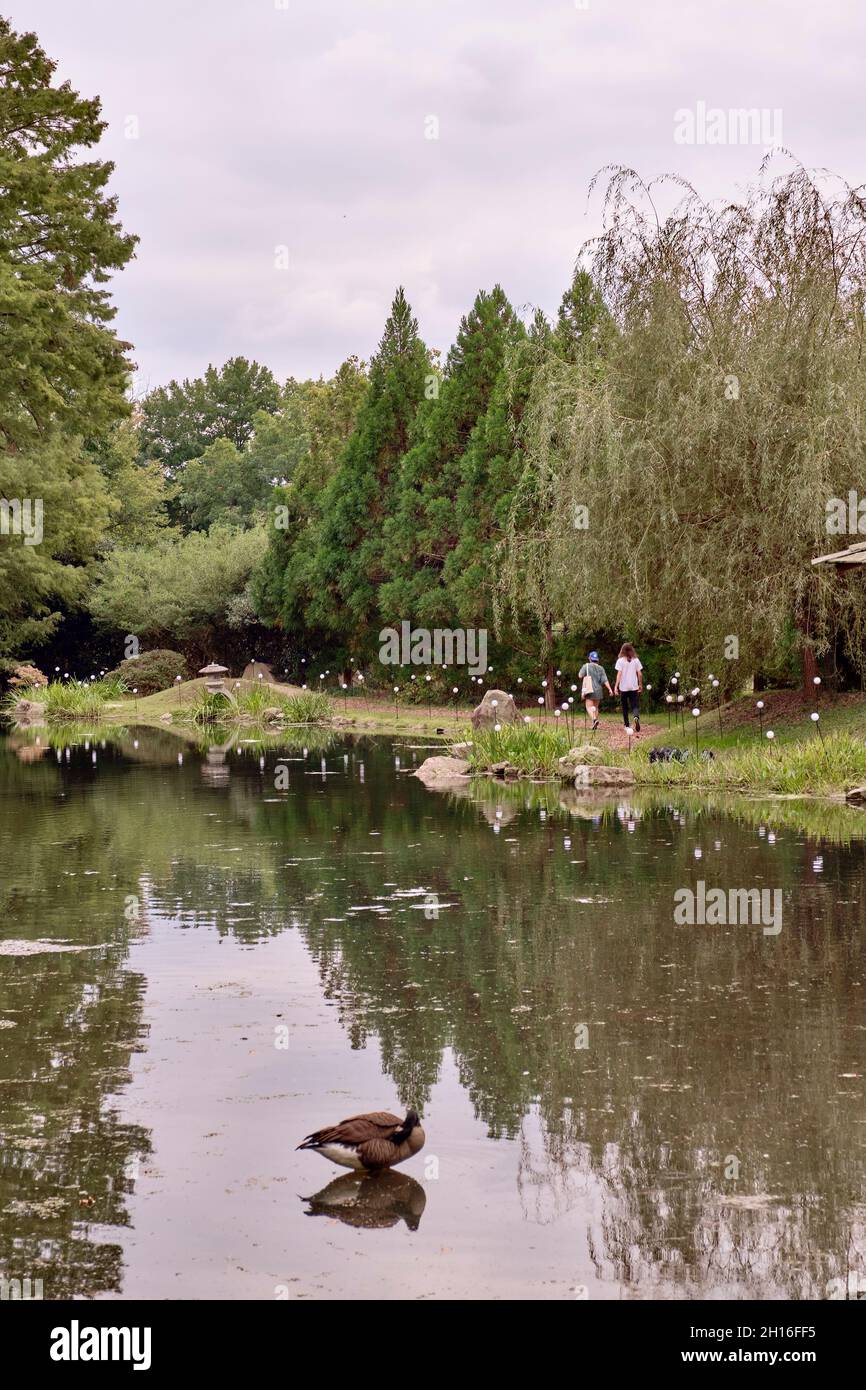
(358, 1129)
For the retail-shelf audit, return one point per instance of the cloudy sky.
(274, 156)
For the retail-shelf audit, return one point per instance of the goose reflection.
(371, 1200)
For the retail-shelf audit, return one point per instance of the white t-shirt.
(628, 672)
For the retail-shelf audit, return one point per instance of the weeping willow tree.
(678, 487)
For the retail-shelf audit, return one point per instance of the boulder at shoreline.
(497, 707)
(443, 772)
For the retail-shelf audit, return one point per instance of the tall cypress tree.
(349, 562)
(423, 528)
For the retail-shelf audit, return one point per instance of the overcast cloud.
(302, 123)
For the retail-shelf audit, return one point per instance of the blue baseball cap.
(593, 656)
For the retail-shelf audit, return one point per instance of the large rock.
(581, 756)
(254, 669)
(589, 776)
(29, 712)
(497, 707)
(443, 772)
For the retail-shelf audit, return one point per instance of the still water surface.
(616, 1106)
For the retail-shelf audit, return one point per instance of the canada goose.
(369, 1142)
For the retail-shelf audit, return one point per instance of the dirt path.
(613, 735)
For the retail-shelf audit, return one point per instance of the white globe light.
(816, 680)
(770, 734)
(815, 717)
(696, 711)
(760, 704)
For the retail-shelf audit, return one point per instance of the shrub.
(533, 748)
(310, 707)
(152, 671)
(63, 700)
(26, 675)
(211, 708)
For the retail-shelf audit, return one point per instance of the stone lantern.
(214, 674)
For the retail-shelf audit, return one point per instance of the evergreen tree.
(64, 492)
(61, 365)
(323, 415)
(349, 561)
(423, 528)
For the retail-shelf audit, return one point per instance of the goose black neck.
(402, 1134)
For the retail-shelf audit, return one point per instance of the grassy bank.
(798, 761)
(258, 704)
(808, 765)
(803, 758)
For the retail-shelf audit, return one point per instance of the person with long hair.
(629, 683)
(594, 681)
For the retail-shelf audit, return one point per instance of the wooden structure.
(851, 555)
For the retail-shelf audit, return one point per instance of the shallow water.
(616, 1105)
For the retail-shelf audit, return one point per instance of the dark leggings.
(628, 699)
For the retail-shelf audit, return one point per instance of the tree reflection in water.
(710, 1049)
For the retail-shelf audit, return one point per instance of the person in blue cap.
(594, 682)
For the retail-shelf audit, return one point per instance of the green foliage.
(38, 581)
(422, 526)
(151, 671)
(181, 588)
(324, 415)
(531, 586)
(349, 562)
(61, 366)
(180, 420)
(807, 766)
(727, 413)
(309, 707)
(70, 699)
(209, 708)
(533, 748)
(62, 370)
(138, 493)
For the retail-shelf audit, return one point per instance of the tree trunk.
(810, 664)
(550, 673)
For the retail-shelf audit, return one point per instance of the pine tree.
(349, 563)
(423, 529)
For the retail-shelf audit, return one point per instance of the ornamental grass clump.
(533, 749)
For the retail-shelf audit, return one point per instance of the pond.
(206, 952)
